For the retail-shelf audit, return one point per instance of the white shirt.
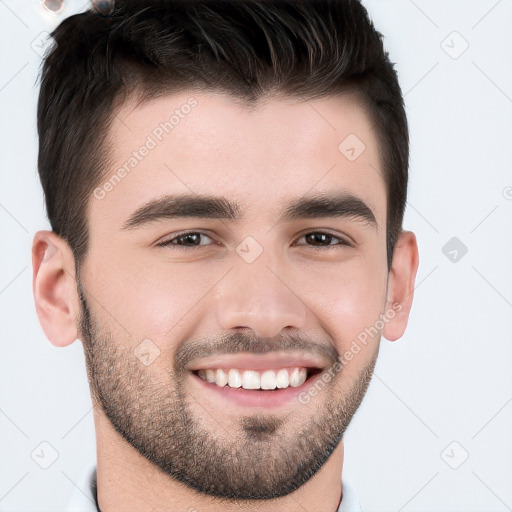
(84, 497)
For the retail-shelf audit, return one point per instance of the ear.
(54, 287)
(401, 281)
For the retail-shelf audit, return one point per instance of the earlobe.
(54, 287)
(402, 277)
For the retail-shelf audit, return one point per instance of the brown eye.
(185, 240)
(322, 240)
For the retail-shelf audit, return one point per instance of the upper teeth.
(254, 379)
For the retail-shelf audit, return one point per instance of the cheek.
(150, 299)
(348, 300)
(350, 307)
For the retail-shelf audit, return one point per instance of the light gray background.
(441, 393)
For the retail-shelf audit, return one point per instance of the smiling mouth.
(258, 380)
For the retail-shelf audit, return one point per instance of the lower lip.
(257, 398)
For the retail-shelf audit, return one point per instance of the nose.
(260, 296)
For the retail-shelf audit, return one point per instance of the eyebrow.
(212, 207)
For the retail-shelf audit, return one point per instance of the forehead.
(210, 144)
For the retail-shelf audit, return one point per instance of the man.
(226, 183)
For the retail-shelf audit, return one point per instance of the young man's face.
(256, 282)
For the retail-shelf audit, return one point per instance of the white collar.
(350, 501)
(83, 498)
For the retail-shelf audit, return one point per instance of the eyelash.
(169, 243)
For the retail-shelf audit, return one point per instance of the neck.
(127, 481)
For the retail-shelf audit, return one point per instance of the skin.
(154, 425)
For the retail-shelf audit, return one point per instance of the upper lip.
(259, 362)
